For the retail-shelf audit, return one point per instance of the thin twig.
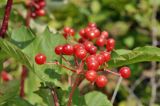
(57, 63)
(154, 43)
(66, 60)
(116, 89)
(4, 26)
(73, 89)
(23, 77)
(55, 97)
(114, 73)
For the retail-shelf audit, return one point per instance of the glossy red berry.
(91, 34)
(92, 50)
(100, 59)
(80, 53)
(42, 4)
(100, 41)
(88, 45)
(91, 58)
(90, 24)
(106, 55)
(59, 50)
(66, 29)
(40, 12)
(71, 32)
(93, 65)
(104, 34)
(68, 49)
(91, 75)
(87, 30)
(97, 32)
(78, 46)
(33, 15)
(40, 58)
(5, 76)
(110, 44)
(82, 33)
(101, 81)
(125, 72)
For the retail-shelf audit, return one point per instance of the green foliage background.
(130, 22)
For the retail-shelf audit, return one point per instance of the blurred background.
(132, 23)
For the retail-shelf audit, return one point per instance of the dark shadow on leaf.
(52, 74)
(22, 45)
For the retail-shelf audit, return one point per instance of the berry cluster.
(91, 51)
(37, 8)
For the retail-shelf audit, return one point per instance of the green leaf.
(45, 94)
(140, 54)
(22, 37)
(17, 101)
(97, 98)
(8, 90)
(13, 51)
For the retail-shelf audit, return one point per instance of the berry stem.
(55, 98)
(114, 73)
(116, 89)
(29, 3)
(23, 77)
(57, 63)
(66, 60)
(73, 89)
(4, 26)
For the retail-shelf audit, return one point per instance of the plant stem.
(23, 77)
(114, 73)
(4, 26)
(73, 89)
(116, 89)
(154, 43)
(57, 63)
(28, 17)
(55, 98)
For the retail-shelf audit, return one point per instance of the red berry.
(71, 32)
(91, 58)
(91, 34)
(5, 76)
(106, 55)
(82, 33)
(92, 24)
(40, 58)
(101, 81)
(59, 50)
(100, 59)
(87, 45)
(42, 4)
(93, 65)
(100, 41)
(97, 32)
(125, 72)
(104, 34)
(92, 50)
(80, 53)
(68, 49)
(110, 44)
(87, 30)
(91, 75)
(33, 15)
(66, 29)
(40, 12)
(78, 46)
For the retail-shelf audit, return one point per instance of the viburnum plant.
(65, 68)
(91, 53)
